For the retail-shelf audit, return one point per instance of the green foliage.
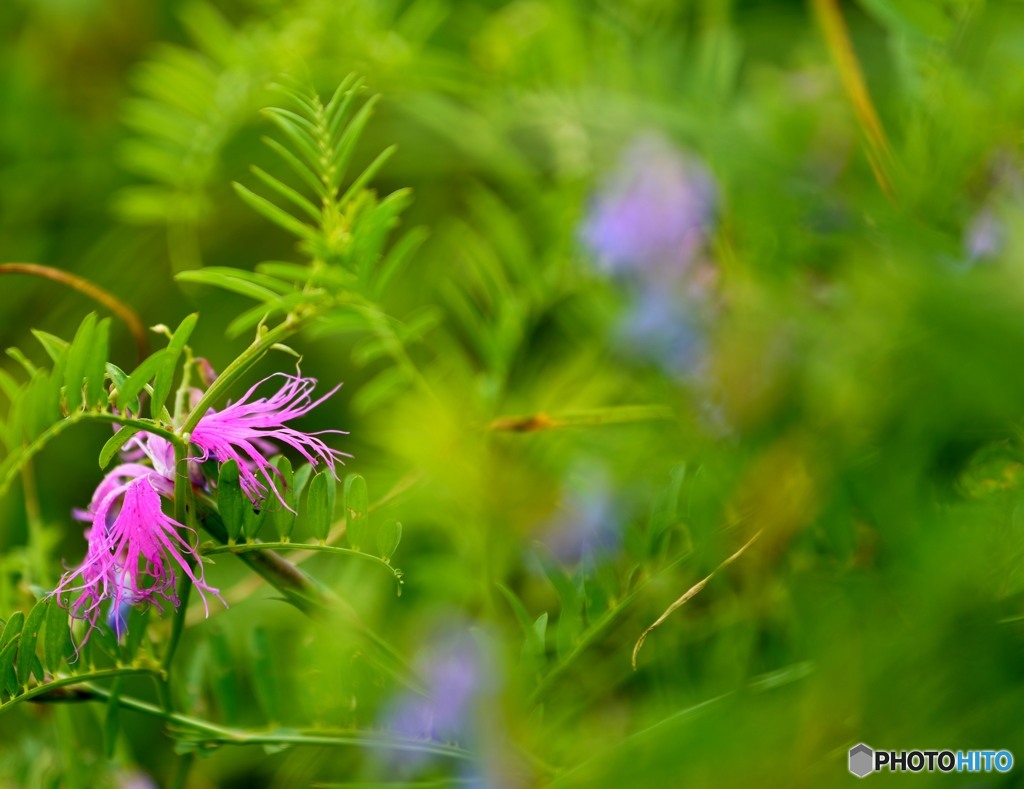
(802, 486)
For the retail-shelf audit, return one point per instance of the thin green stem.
(74, 679)
(294, 546)
(239, 367)
(214, 734)
(183, 512)
(27, 452)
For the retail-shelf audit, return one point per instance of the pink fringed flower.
(133, 557)
(241, 432)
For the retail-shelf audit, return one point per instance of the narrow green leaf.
(340, 104)
(247, 283)
(288, 193)
(165, 374)
(29, 638)
(357, 508)
(8, 677)
(276, 215)
(388, 537)
(9, 386)
(343, 94)
(300, 167)
(78, 359)
(129, 391)
(396, 258)
(54, 346)
(320, 505)
(231, 501)
(364, 178)
(570, 617)
(114, 443)
(255, 515)
(96, 364)
(347, 143)
(12, 628)
(20, 358)
(58, 635)
(282, 519)
(303, 142)
(117, 377)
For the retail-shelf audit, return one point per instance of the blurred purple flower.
(588, 527)
(664, 329)
(984, 237)
(453, 675)
(653, 213)
(244, 430)
(456, 676)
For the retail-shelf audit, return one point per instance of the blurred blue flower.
(984, 237)
(653, 213)
(453, 676)
(665, 329)
(588, 527)
(456, 677)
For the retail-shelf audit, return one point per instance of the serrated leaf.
(357, 508)
(320, 505)
(165, 374)
(114, 443)
(231, 501)
(29, 638)
(58, 636)
(129, 391)
(389, 535)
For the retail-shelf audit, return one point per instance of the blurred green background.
(837, 371)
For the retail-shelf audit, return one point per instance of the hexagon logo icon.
(862, 760)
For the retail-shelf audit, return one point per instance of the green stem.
(183, 513)
(239, 367)
(63, 682)
(298, 546)
(27, 452)
(222, 735)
